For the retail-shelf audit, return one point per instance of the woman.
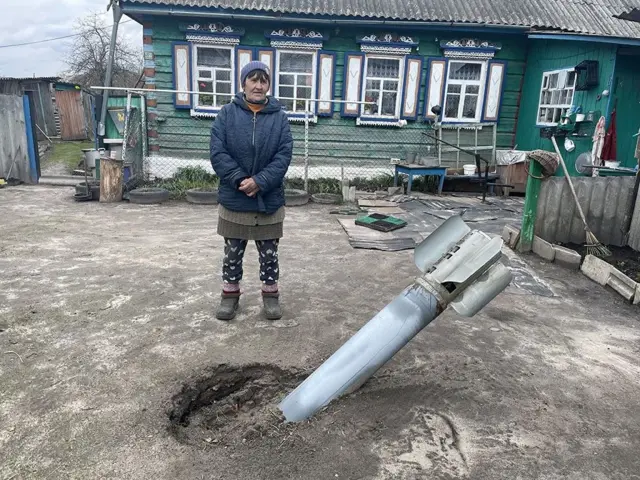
(251, 147)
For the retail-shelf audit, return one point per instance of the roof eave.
(135, 10)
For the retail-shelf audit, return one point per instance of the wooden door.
(72, 121)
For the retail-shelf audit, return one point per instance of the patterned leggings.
(234, 254)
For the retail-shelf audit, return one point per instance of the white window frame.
(314, 79)
(363, 95)
(563, 107)
(464, 84)
(195, 74)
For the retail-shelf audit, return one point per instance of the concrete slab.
(567, 257)
(543, 249)
(511, 235)
(596, 269)
(622, 284)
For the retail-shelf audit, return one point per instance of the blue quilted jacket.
(243, 145)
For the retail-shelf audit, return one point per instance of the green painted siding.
(553, 55)
(627, 104)
(332, 139)
(115, 103)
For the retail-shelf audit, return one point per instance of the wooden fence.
(18, 146)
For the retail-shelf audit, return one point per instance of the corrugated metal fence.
(16, 140)
(607, 203)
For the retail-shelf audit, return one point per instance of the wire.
(56, 38)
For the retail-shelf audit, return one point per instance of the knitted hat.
(250, 67)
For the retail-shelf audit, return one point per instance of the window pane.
(454, 89)
(465, 71)
(570, 98)
(288, 105)
(300, 105)
(555, 97)
(223, 99)
(303, 92)
(549, 117)
(371, 96)
(205, 86)
(473, 89)
(451, 107)
(469, 107)
(214, 57)
(383, 68)
(571, 79)
(224, 75)
(205, 100)
(286, 79)
(373, 84)
(223, 87)
(286, 92)
(553, 80)
(296, 62)
(542, 115)
(305, 80)
(389, 103)
(390, 86)
(204, 73)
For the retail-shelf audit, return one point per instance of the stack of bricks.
(150, 83)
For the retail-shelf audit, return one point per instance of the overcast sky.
(24, 21)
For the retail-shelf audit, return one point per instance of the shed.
(43, 96)
(75, 109)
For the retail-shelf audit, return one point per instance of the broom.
(594, 247)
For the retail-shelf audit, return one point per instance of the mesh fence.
(327, 150)
(134, 151)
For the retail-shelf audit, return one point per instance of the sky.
(24, 21)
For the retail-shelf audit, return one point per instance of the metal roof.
(588, 17)
(26, 79)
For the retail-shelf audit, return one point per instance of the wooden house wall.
(547, 55)
(176, 133)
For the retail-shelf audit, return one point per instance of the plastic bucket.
(469, 169)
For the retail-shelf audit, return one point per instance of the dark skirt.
(229, 229)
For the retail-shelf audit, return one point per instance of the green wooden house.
(366, 74)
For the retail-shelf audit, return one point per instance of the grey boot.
(228, 307)
(272, 308)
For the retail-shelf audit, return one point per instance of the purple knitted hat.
(250, 67)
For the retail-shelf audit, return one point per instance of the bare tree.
(89, 53)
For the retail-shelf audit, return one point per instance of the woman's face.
(256, 87)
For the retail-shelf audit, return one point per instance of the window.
(213, 76)
(296, 79)
(464, 91)
(556, 96)
(382, 86)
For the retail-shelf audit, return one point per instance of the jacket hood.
(273, 105)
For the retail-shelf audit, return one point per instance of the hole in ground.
(231, 404)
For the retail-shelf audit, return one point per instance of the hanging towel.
(609, 149)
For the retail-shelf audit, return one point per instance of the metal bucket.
(91, 155)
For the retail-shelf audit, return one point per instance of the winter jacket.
(243, 145)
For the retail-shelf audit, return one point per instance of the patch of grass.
(316, 185)
(187, 178)
(67, 153)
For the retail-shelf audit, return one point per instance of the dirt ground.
(113, 367)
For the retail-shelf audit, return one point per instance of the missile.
(460, 268)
